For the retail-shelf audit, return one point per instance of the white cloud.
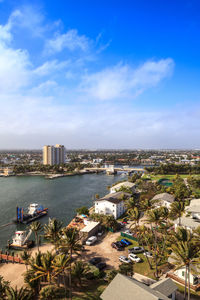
(28, 17)
(70, 40)
(123, 80)
(14, 69)
(50, 66)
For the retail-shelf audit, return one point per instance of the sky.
(100, 74)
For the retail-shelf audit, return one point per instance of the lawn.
(159, 176)
(90, 290)
(195, 295)
(142, 267)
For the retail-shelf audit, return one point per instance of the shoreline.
(50, 175)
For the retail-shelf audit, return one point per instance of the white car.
(134, 257)
(148, 254)
(124, 259)
(91, 240)
(128, 232)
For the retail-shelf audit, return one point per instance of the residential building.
(124, 287)
(125, 184)
(191, 219)
(194, 209)
(179, 274)
(112, 204)
(53, 155)
(164, 199)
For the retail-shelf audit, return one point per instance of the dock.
(10, 258)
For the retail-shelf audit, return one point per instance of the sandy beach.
(14, 272)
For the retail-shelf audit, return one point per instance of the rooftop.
(123, 287)
(164, 197)
(115, 197)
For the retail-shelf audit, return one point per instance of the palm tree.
(21, 294)
(52, 231)
(25, 256)
(154, 216)
(45, 269)
(143, 234)
(69, 244)
(60, 264)
(79, 270)
(36, 227)
(4, 285)
(130, 203)
(185, 254)
(134, 215)
(177, 209)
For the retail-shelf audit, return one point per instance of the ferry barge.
(20, 241)
(35, 211)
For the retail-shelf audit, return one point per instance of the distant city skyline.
(107, 75)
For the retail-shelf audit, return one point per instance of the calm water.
(62, 196)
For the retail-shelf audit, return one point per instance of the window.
(183, 273)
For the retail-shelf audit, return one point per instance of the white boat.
(20, 240)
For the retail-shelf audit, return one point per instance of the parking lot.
(103, 249)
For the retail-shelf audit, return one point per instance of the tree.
(60, 264)
(45, 269)
(18, 294)
(69, 244)
(79, 271)
(4, 285)
(154, 217)
(26, 256)
(49, 292)
(134, 215)
(185, 254)
(36, 227)
(126, 269)
(82, 210)
(52, 231)
(177, 209)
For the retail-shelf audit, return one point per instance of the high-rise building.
(53, 155)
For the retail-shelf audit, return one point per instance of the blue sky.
(100, 74)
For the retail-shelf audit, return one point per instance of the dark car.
(95, 260)
(126, 242)
(101, 266)
(118, 245)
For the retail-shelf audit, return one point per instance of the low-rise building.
(164, 199)
(90, 229)
(125, 184)
(112, 204)
(194, 209)
(124, 287)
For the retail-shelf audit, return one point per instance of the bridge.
(114, 170)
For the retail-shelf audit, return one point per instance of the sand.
(14, 272)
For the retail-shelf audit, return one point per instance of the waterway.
(62, 196)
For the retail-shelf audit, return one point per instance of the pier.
(9, 258)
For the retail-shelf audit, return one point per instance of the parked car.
(128, 232)
(134, 257)
(136, 250)
(126, 242)
(100, 233)
(101, 266)
(91, 240)
(124, 259)
(148, 254)
(118, 245)
(95, 260)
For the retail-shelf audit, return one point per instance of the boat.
(20, 240)
(35, 211)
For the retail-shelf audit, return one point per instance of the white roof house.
(126, 184)
(124, 287)
(194, 208)
(191, 220)
(112, 204)
(164, 199)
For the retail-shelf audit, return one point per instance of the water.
(62, 196)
